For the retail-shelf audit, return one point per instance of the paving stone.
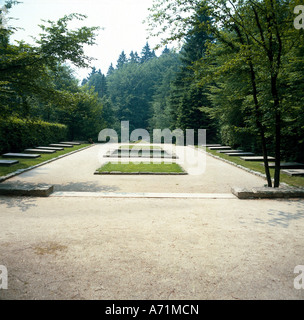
(229, 151)
(240, 154)
(61, 145)
(39, 151)
(220, 148)
(294, 172)
(21, 155)
(8, 163)
(51, 148)
(72, 143)
(288, 165)
(211, 145)
(256, 158)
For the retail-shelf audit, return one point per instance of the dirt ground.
(84, 247)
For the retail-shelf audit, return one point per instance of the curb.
(30, 190)
(268, 193)
(20, 171)
(141, 173)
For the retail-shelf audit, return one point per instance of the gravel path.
(76, 173)
(101, 248)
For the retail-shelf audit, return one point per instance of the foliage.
(253, 70)
(17, 134)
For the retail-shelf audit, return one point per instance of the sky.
(121, 21)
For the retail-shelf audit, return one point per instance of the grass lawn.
(141, 167)
(26, 163)
(256, 166)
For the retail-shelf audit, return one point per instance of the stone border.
(30, 190)
(20, 171)
(236, 165)
(141, 173)
(284, 192)
(183, 173)
(268, 193)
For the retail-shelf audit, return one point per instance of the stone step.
(240, 154)
(220, 148)
(229, 151)
(72, 143)
(61, 145)
(21, 155)
(294, 172)
(8, 163)
(256, 158)
(39, 151)
(51, 148)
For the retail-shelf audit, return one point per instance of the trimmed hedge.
(18, 134)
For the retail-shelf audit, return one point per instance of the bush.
(18, 134)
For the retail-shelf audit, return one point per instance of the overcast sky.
(121, 20)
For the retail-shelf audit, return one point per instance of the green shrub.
(17, 134)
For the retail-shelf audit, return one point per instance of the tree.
(25, 70)
(147, 53)
(122, 60)
(134, 57)
(110, 70)
(260, 34)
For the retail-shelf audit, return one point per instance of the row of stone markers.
(290, 168)
(35, 153)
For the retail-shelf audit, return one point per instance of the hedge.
(17, 134)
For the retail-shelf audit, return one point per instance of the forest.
(238, 73)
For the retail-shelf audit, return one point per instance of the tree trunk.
(276, 106)
(259, 124)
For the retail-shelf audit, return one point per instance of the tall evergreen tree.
(147, 53)
(122, 60)
(110, 70)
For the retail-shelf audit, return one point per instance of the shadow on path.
(23, 203)
(283, 218)
(85, 187)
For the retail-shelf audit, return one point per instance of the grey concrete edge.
(268, 193)
(141, 173)
(256, 173)
(20, 171)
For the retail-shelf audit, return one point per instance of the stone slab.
(21, 155)
(26, 190)
(294, 172)
(220, 148)
(256, 158)
(51, 148)
(8, 163)
(72, 143)
(39, 151)
(211, 145)
(239, 154)
(288, 165)
(61, 145)
(229, 151)
(268, 193)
